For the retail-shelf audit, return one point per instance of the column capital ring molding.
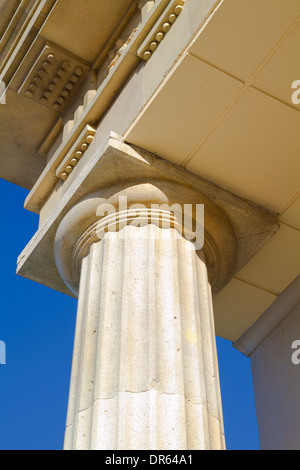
(81, 227)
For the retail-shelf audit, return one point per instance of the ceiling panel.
(282, 70)
(237, 306)
(254, 151)
(183, 111)
(20, 162)
(277, 264)
(241, 33)
(292, 214)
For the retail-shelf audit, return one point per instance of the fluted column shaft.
(144, 373)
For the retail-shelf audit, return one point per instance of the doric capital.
(235, 229)
(161, 202)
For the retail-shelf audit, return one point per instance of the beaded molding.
(54, 78)
(76, 153)
(160, 30)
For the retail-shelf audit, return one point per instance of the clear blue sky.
(37, 325)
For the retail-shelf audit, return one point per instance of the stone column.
(145, 370)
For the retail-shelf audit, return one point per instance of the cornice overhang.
(20, 33)
(50, 76)
(43, 78)
(112, 75)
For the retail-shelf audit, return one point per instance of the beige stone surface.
(81, 33)
(254, 135)
(197, 92)
(218, 233)
(243, 303)
(145, 372)
(291, 213)
(260, 268)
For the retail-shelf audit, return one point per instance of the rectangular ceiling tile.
(282, 70)
(292, 214)
(183, 109)
(237, 306)
(241, 33)
(277, 264)
(254, 152)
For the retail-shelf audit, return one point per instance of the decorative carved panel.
(54, 77)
